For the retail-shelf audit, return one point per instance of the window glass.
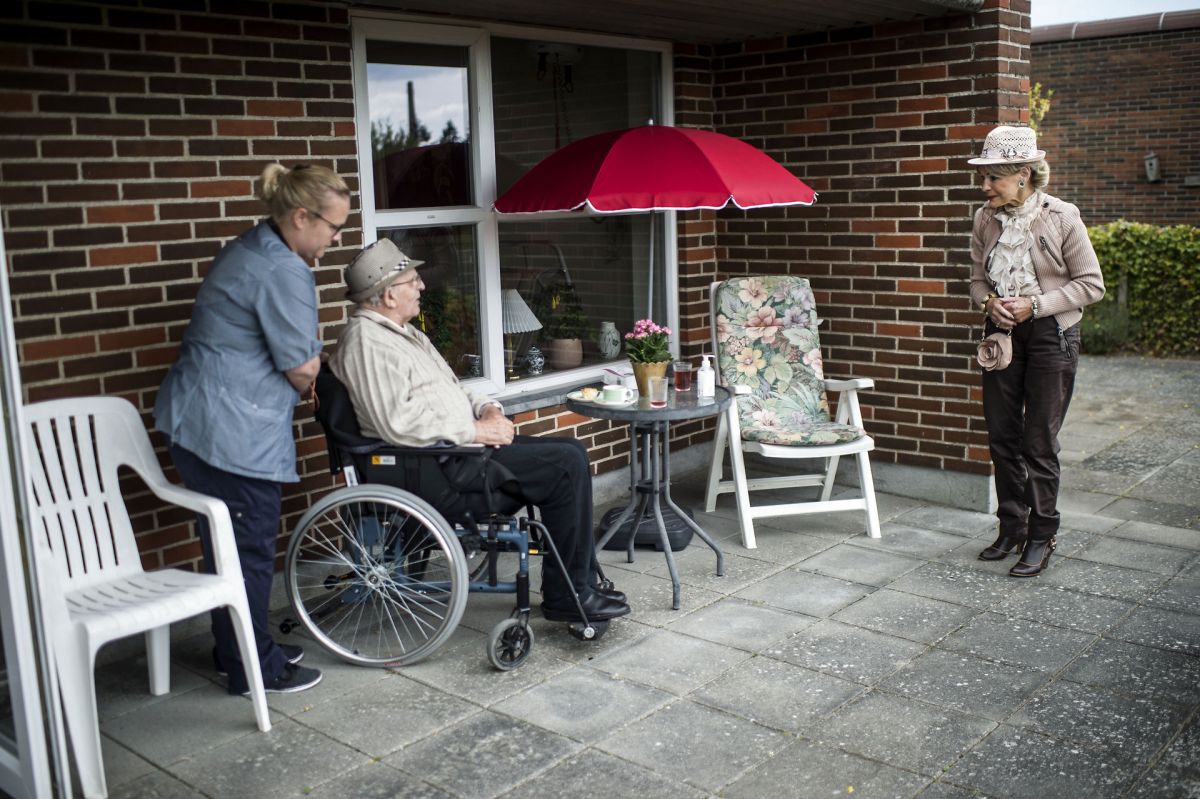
(417, 97)
(577, 273)
(450, 300)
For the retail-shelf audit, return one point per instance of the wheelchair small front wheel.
(376, 576)
(509, 644)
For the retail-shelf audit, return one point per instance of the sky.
(1056, 12)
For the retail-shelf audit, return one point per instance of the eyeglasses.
(415, 278)
(336, 228)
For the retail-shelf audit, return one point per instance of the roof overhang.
(698, 21)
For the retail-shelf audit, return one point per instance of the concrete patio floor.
(822, 664)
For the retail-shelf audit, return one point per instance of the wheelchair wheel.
(376, 576)
(509, 644)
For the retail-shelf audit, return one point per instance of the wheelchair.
(377, 576)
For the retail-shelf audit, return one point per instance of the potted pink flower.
(648, 348)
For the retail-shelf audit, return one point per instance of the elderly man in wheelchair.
(379, 575)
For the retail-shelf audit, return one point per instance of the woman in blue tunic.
(250, 352)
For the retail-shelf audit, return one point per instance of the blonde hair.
(303, 186)
(1039, 172)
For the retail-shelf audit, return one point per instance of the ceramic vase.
(610, 340)
(642, 372)
(535, 362)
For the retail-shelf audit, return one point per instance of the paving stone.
(1183, 537)
(1177, 773)
(670, 661)
(1179, 593)
(845, 651)
(741, 624)
(805, 592)
(125, 686)
(1166, 629)
(697, 566)
(591, 772)
(552, 639)
(1136, 555)
(338, 678)
(583, 704)
(1099, 578)
(822, 771)
(1087, 522)
(1175, 483)
(785, 547)
(121, 766)
(950, 520)
(905, 540)
(962, 682)
(1018, 642)
(1062, 608)
(376, 781)
(156, 785)
(650, 598)
(903, 732)
(1072, 499)
(916, 618)
(1155, 511)
(483, 755)
(461, 668)
(1132, 670)
(776, 694)
(214, 718)
(1136, 454)
(387, 714)
(1081, 478)
(1131, 727)
(946, 790)
(695, 744)
(1018, 762)
(860, 565)
(288, 760)
(955, 583)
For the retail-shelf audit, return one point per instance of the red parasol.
(654, 168)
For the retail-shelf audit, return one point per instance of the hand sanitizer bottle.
(706, 379)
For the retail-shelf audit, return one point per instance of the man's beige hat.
(1009, 145)
(375, 268)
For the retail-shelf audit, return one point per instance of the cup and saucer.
(610, 395)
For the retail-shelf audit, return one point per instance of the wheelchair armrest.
(428, 452)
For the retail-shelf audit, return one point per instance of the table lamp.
(517, 320)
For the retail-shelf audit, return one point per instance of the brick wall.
(1115, 99)
(130, 139)
(129, 143)
(880, 121)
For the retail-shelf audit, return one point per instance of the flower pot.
(642, 372)
(564, 353)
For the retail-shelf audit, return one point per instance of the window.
(450, 117)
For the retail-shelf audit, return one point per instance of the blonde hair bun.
(306, 186)
(269, 184)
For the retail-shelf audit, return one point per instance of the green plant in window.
(1039, 105)
(567, 319)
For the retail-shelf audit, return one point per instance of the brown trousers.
(1024, 406)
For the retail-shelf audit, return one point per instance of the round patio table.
(650, 466)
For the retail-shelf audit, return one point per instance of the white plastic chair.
(91, 582)
(764, 335)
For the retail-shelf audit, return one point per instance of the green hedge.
(1160, 267)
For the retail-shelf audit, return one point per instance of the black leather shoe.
(1034, 558)
(611, 593)
(1004, 546)
(598, 607)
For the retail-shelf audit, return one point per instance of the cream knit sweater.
(402, 389)
(1063, 260)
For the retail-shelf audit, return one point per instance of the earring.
(1021, 185)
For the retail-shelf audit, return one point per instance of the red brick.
(245, 127)
(220, 188)
(113, 256)
(58, 348)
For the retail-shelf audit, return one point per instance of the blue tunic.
(226, 398)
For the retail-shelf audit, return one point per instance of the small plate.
(617, 404)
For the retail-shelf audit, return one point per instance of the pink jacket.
(1063, 260)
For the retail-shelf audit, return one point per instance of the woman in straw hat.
(249, 353)
(1033, 271)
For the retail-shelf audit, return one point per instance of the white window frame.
(477, 39)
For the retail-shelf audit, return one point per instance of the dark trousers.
(1024, 406)
(553, 475)
(254, 508)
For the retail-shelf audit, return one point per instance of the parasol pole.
(650, 276)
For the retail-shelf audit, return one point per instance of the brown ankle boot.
(1004, 546)
(1034, 558)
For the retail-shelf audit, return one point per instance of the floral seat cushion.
(767, 340)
